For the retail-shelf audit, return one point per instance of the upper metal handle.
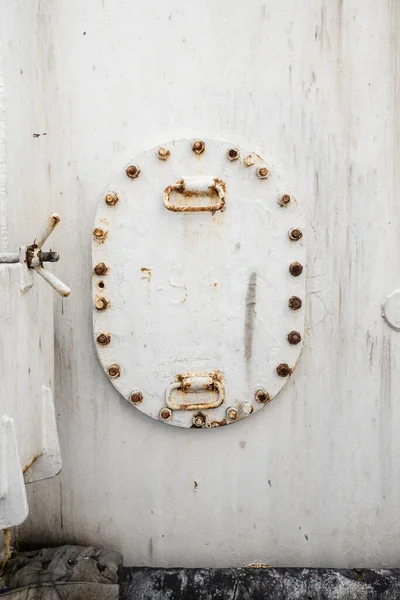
(201, 186)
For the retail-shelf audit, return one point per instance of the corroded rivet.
(133, 171)
(114, 371)
(249, 160)
(233, 154)
(231, 413)
(136, 397)
(103, 339)
(295, 269)
(101, 269)
(262, 396)
(163, 153)
(102, 303)
(247, 408)
(198, 146)
(294, 337)
(295, 234)
(283, 370)
(99, 234)
(111, 199)
(295, 303)
(199, 420)
(165, 413)
(262, 172)
(284, 200)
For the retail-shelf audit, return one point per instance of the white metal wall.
(314, 478)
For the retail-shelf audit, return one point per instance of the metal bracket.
(13, 502)
(47, 463)
(32, 258)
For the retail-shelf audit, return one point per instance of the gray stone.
(260, 583)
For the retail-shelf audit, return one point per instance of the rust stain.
(30, 462)
(250, 315)
(146, 273)
(218, 423)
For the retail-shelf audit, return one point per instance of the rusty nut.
(247, 408)
(163, 153)
(111, 199)
(232, 154)
(262, 172)
(198, 146)
(294, 337)
(103, 339)
(295, 303)
(262, 396)
(101, 269)
(295, 269)
(232, 413)
(99, 233)
(249, 160)
(199, 420)
(114, 371)
(102, 303)
(136, 397)
(295, 234)
(165, 413)
(133, 171)
(284, 200)
(283, 370)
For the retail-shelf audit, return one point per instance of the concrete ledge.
(257, 584)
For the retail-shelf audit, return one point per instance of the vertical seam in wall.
(3, 200)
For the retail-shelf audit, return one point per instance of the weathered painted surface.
(313, 478)
(194, 303)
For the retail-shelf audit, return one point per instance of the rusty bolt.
(233, 154)
(262, 172)
(99, 234)
(133, 171)
(294, 337)
(295, 269)
(163, 153)
(101, 269)
(111, 199)
(231, 413)
(247, 408)
(262, 396)
(198, 147)
(102, 304)
(295, 234)
(114, 371)
(249, 160)
(283, 370)
(165, 413)
(295, 303)
(136, 397)
(103, 339)
(199, 420)
(284, 200)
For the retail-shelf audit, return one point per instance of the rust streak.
(30, 462)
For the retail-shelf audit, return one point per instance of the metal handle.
(201, 186)
(32, 257)
(192, 383)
